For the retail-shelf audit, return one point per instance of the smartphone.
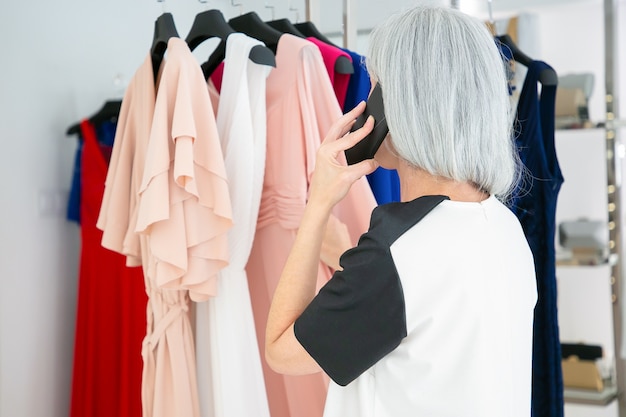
(367, 147)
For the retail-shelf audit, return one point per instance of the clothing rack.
(614, 191)
(615, 200)
(349, 21)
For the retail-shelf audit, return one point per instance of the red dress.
(111, 312)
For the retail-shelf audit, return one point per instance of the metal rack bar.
(313, 11)
(349, 26)
(349, 21)
(614, 191)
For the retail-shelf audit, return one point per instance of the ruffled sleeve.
(184, 200)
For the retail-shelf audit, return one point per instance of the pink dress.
(167, 204)
(301, 106)
(184, 215)
(118, 212)
(340, 81)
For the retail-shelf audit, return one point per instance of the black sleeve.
(358, 317)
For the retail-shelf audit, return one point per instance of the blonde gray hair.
(446, 96)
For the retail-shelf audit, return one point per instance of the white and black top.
(432, 315)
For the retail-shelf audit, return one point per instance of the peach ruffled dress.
(167, 205)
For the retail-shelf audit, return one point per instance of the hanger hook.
(162, 4)
(489, 8)
(240, 5)
(267, 6)
(119, 83)
(295, 9)
(204, 2)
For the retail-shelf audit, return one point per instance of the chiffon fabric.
(330, 55)
(167, 206)
(118, 212)
(301, 106)
(230, 376)
(110, 317)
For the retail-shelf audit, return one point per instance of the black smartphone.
(367, 147)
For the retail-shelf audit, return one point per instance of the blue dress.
(105, 133)
(384, 183)
(535, 206)
(73, 204)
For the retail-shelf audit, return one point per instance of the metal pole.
(313, 11)
(349, 24)
(614, 191)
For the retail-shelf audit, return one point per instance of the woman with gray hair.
(431, 314)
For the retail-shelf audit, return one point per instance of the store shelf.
(580, 129)
(599, 125)
(571, 262)
(582, 396)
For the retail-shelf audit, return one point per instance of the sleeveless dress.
(535, 206)
(111, 318)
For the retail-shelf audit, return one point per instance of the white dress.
(230, 376)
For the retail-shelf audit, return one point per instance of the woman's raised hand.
(332, 178)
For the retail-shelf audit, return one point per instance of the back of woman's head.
(446, 97)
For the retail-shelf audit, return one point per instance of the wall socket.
(52, 203)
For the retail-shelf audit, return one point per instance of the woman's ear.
(386, 156)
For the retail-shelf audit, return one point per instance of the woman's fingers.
(332, 178)
(344, 123)
(363, 168)
(353, 138)
(349, 140)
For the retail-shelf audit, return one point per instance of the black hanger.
(206, 25)
(110, 110)
(252, 25)
(285, 26)
(164, 29)
(547, 77)
(211, 24)
(343, 65)
(259, 54)
(310, 30)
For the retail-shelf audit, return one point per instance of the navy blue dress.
(105, 133)
(535, 206)
(384, 183)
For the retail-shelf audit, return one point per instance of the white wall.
(59, 63)
(577, 47)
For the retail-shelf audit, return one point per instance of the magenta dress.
(340, 81)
